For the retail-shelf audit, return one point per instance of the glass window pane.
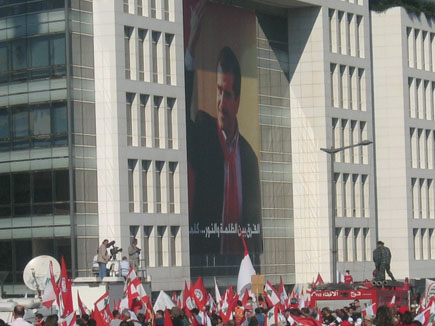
(61, 184)
(41, 121)
(6, 258)
(19, 54)
(42, 187)
(39, 52)
(5, 191)
(59, 120)
(4, 124)
(57, 54)
(21, 184)
(4, 56)
(20, 122)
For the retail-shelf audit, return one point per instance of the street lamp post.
(331, 151)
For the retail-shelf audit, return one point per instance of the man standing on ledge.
(382, 259)
(224, 165)
(133, 254)
(103, 259)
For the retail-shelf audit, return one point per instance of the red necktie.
(229, 242)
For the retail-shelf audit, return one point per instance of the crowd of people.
(249, 314)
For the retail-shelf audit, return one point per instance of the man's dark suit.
(206, 158)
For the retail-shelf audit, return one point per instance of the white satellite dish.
(37, 270)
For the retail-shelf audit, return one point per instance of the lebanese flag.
(369, 311)
(65, 290)
(246, 269)
(83, 309)
(199, 293)
(217, 294)
(102, 310)
(70, 319)
(427, 316)
(282, 294)
(271, 294)
(229, 302)
(245, 297)
(51, 291)
(273, 316)
(174, 297)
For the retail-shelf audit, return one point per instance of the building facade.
(404, 72)
(94, 137)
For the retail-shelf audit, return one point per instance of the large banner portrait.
(222, 130)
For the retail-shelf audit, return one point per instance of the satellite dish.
(37, 270)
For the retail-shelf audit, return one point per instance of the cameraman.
(133, 254)
(103, 258)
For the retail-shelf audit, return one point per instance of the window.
(128, 31)
(147, 230)
(42, 192)
(38, 49)
(145, 168)
(126, 6)
(141, 58)
(139, 8)
(172, 171)
(131, 185)
(129, 114)
(21, 193)
(156, 103)
(168, 41)
(19, 54)
(143, 119)
(5, 195)
(158, 185)
(175, 248)
(153, 9)
(160, 245)
(170, 106)
(166, 9)
(154, 54)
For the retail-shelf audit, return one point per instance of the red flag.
(70, 319)
(199, 293)
(65, 290)
(168, 320)
(51, 291)
(245, 297)
(307, 321)
(319, 280)
(174, 297)
(190, 317)
(102, 310)
(83, 309)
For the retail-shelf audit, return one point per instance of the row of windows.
(346, 33)
(19, 7)
(15, 254)
(424, 244)
(159, 9)
(353, 244)
(149, 56)
(31, 58)
(153, 187)
(161, 245)
(34, 193)
(421, 99)
(357, 2)
(352, 195)
(36, 126)
(151, 121)
(348, 87)
(347, 133)
(421, 49)
(422, 148)
(423, 199)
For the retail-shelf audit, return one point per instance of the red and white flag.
(271, 294)
(369, 310)
(188, 300)
(69, 320)
(392, 303)
(228, 304)
(102, 310)
(217, 294)
(51, 291)
(83, 309)
(199, 293)
(65, 290)
(283, 297)
(246, 270)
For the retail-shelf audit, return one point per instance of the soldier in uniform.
(382, 259)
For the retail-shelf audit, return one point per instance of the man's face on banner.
(227, 102)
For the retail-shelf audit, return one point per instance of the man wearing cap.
(382, 259)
